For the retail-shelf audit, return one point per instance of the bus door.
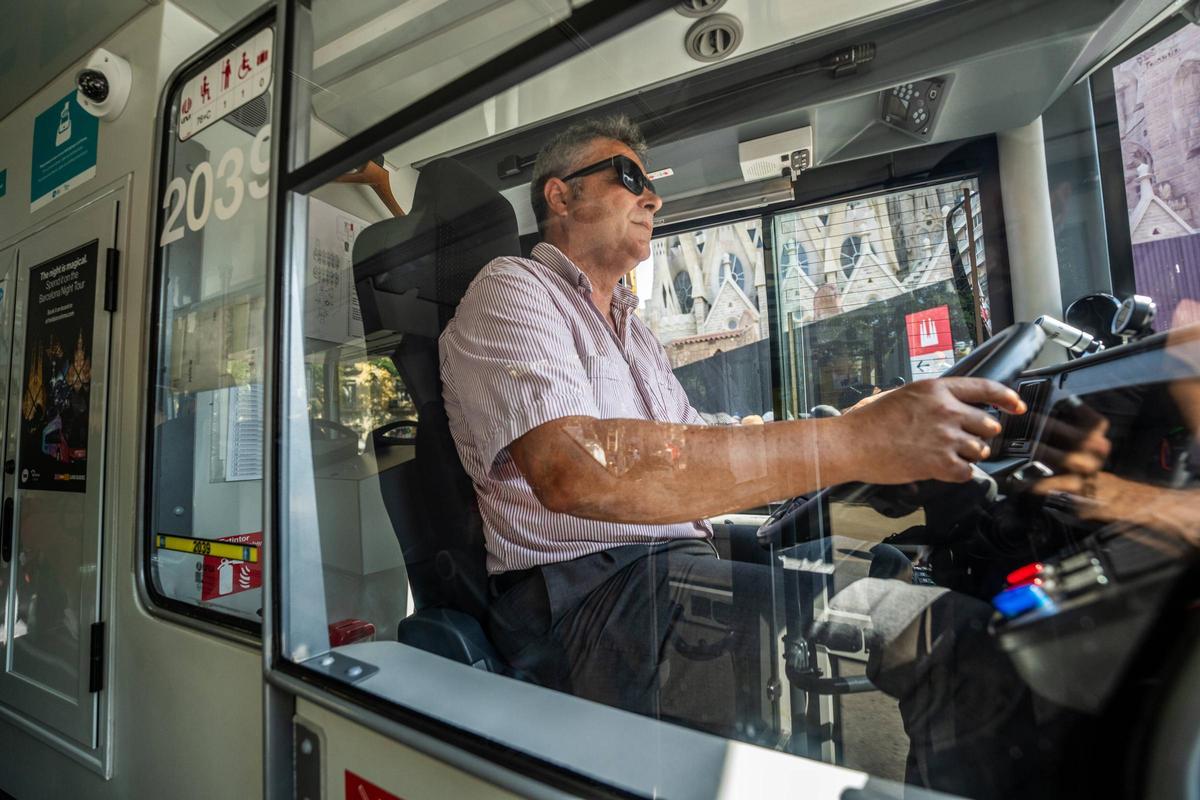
(54, 349)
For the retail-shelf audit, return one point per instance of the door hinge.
(96, 660)
(112, 266)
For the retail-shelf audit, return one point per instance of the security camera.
(103, 85)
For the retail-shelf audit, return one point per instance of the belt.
(506, 580)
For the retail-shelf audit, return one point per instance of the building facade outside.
(705, 291)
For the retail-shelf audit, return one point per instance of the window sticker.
(64, 150)
(216, 190)
(229, 83)
(930, 345)
(222, 575)
(331, 311)
(359, 788)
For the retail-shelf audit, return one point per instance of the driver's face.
(605, 217)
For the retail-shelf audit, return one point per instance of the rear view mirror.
(1093, 313)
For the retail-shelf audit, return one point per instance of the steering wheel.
(1001, 358)
(400, 432)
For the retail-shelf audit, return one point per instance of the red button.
(1026, 574)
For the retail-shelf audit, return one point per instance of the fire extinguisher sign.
(222, 576)
(930, 345)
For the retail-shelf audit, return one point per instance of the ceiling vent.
(713, 38)
(698, 8)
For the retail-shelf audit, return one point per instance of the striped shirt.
(528, 346)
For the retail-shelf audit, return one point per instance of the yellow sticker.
(208, 547)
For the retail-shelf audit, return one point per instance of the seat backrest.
(410, 274)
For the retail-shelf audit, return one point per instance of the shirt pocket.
(674, 398)
(612, 387)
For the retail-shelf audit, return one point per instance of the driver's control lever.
(1076, 341)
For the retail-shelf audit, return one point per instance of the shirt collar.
(555, 259)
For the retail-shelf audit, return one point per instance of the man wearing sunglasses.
(595, 475)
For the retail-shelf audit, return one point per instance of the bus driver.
(595, 475)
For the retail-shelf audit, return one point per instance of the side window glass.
(1158, 96)
(703, 294)
(204, 467)
(877, 292)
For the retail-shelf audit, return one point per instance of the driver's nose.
(650, 201)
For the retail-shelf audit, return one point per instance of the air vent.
(698, 8)
(713, 38)
(253, 115)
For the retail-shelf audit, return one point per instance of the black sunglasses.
(631, 175)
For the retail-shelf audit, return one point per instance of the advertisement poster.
(930, 345)
(64, 151)
(57, 384)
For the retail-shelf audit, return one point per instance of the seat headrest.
(458, 223)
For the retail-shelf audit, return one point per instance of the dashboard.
(1103, 561)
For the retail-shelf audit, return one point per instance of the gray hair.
(561, 154)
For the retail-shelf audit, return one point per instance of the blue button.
(1021, 599)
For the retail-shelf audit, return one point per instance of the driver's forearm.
(636, 471)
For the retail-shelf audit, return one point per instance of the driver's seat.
(410, 274)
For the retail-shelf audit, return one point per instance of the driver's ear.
(557, 195)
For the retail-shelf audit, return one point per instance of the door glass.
(205, 476)
(876, 292)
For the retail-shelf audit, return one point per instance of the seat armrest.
(451, 634)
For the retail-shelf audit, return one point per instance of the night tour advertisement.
(57, 385)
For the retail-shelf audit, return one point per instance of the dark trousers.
(671, 631)
(667, 630)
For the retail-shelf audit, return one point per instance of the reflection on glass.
(1158, 94)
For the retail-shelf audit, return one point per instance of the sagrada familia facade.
(710, 292)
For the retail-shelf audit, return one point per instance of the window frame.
(208, 620)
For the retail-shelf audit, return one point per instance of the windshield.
(636, 399)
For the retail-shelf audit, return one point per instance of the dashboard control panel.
(1068, 623)
(913, 107)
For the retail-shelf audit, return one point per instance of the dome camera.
(103, 85)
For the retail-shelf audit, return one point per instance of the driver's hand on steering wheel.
(930, 429)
